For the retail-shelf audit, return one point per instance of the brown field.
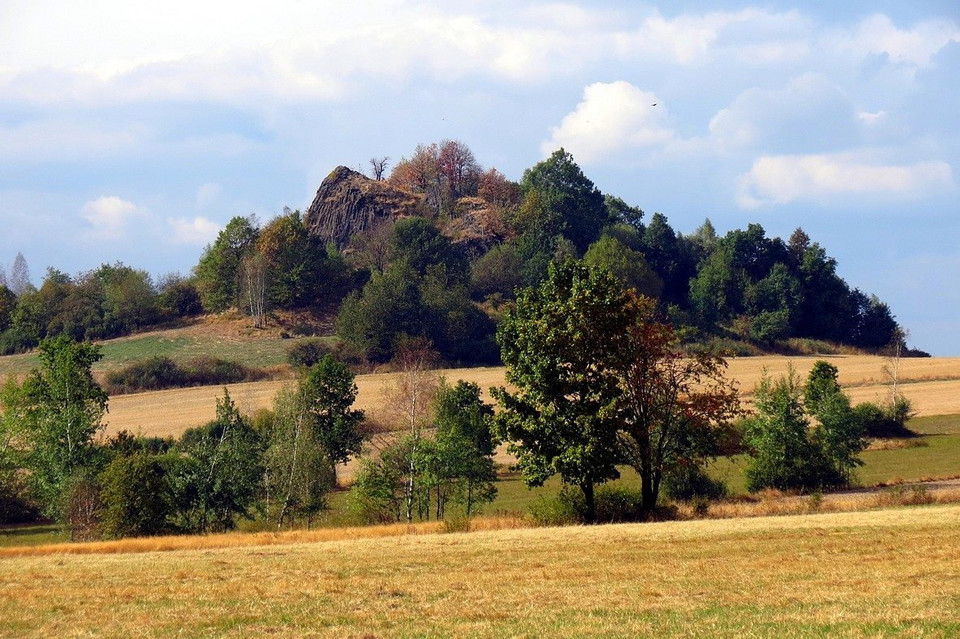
(882, 573)
(932, 384)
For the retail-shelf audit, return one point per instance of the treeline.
(446, 275)
(277, 466)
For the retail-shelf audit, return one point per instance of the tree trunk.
(648, 493)
(590, 515)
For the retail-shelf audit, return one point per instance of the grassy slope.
(863, 574)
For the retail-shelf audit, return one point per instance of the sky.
(134, 131)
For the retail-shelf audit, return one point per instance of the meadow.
(843, 574)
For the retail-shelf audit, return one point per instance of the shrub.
(158, 373)
(614, 504)
(885, 421)
(692, 482)
(306, 353)
(135, 497)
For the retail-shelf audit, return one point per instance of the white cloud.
(809, 113)
(109, 216)
(877, 35)
(611, 117)
(783, 179)
(194, 231)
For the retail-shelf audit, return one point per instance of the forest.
(448, 270)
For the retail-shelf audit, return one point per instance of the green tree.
(329, 391)
(298, 469)
(573, 200)
(464, 444)
(135, 496)
(58, 409)
(217, 273)
(555, 342)
(220, 475)
(822, 382)
(627, 265)
(782, 455)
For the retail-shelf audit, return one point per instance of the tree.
(379, 167)
(329, 392)
(135, 496)
(570, 196)
(58, 408)
(253, 287)
(19, 275)
(411, 397)
(298, 469)
(459, 168)
(219, 476)
(626, 264)
(418, 242)
(464, 444)
(782, 456)
(787, 452)
(556, 344)
(216, 274)
(674, 406)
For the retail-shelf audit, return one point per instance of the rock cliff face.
(348, 202)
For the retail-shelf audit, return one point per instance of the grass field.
(226, 338)
(933, 385)
(859, 575)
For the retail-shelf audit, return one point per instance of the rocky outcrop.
(474, 225)
(348, 202)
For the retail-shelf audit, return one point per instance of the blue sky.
(134, 134)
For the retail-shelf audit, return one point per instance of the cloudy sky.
(133, 134)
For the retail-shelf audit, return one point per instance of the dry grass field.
(883, 573)
(932, 384)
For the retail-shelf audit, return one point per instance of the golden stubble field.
(882, 573)
(932, 384)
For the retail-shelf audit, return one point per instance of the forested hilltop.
(438, 246)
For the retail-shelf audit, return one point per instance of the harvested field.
(892, 572)
(932, 384)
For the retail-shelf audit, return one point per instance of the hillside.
(849, 574)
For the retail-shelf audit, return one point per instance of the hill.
(851, 574)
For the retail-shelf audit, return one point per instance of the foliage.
(217, 273)
(787, 452)
(306, 353)
(219, 474)
(556, 343)
(157, 373)
(692, 482)
(329, 392)
(57, 410)
(614, 504)
(576, 207)
(626, 264)
(135, 497)
(298, 472)
(888, 420)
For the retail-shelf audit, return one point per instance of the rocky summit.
(349, 202)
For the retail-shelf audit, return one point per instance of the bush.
(306, 353)
(885, 421)
(614, 504)
(135, 497)
(158, 373)
(692, 482)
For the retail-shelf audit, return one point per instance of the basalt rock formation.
(349, 202)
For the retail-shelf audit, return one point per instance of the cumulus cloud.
(783, 179)
(878, 35)
(193, 231)
(809, 113)
(610, 118)
(110, 216)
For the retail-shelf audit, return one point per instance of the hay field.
(859, 574)
(932, 384)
